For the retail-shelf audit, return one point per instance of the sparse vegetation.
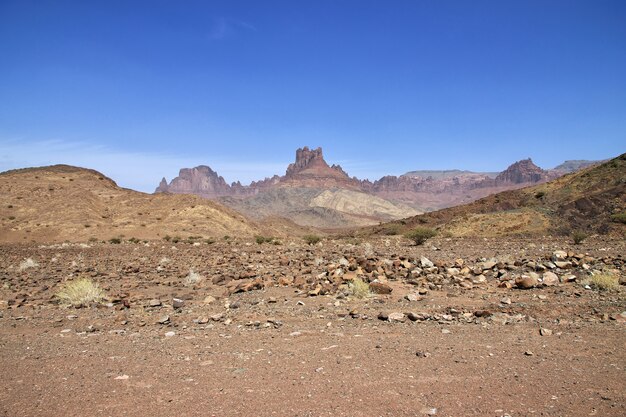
(193, 278)
(359, 288)
(176, 239)
(28, 263)
(392, 230)
(115, 240)
(263, 239)
(312, 239)
(134, 240)
(167, 238)
(93, 240)
(80, 293)
(540, 194)
(602, 281)
(209, 241)
(419, 235)
(578, 236)
(619, 217)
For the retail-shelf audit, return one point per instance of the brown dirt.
(276, 351)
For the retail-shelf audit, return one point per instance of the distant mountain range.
(314, 193)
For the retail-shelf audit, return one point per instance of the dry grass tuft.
(360, 288)
(80, 293)
(193, 278)
(28, 263)
(604, 282)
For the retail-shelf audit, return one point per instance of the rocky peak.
(310, 169)
(522, 172)
(306, 159)
(162, 188)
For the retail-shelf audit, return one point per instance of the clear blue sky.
(139, 89)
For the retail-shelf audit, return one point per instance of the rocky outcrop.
(420, 190)
(524, 171)
(201, 180)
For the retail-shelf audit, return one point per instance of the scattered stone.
(526, 282)
(122, 377)
(545, 332)
(209, 299)
(483, 313)
(396, 317)
(380, 288)
(426, 263)
(170, 334)
(164, 320)
(506, 300)
(383, 316)
(421, 354)
(272, 300)
(178, 303)
(155, 303)
(413, 297)
(528, 353)
(550, 279)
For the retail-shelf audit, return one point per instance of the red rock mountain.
(524, 171)
(420, 190)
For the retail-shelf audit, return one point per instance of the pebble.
(164, 320)
(545, 332)
(155, 303)
(170, 334)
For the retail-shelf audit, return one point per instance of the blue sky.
(139, 89)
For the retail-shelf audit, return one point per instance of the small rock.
(421, 354)
(412, 297)
(155, 303)
(383, 316)
(545, 332)
(550, 279)
(272, 300)
(122, 377)
(526, 282)
(506, 300)
(426, 263)
(396, 317)
(380, 288)
(170, 334)
(164, 320)
(209, 299)
(528, 353)
(178, 303)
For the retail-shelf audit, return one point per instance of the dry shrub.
(28, 263)
(360, 288)
(604, 281)
(80, 293)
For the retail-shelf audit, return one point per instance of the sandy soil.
(470, 347)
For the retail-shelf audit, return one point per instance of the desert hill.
(58, 203)
(590, 200)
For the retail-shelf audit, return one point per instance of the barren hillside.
(61, 202)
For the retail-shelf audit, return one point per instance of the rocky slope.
(588, 200)
(59, 203)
